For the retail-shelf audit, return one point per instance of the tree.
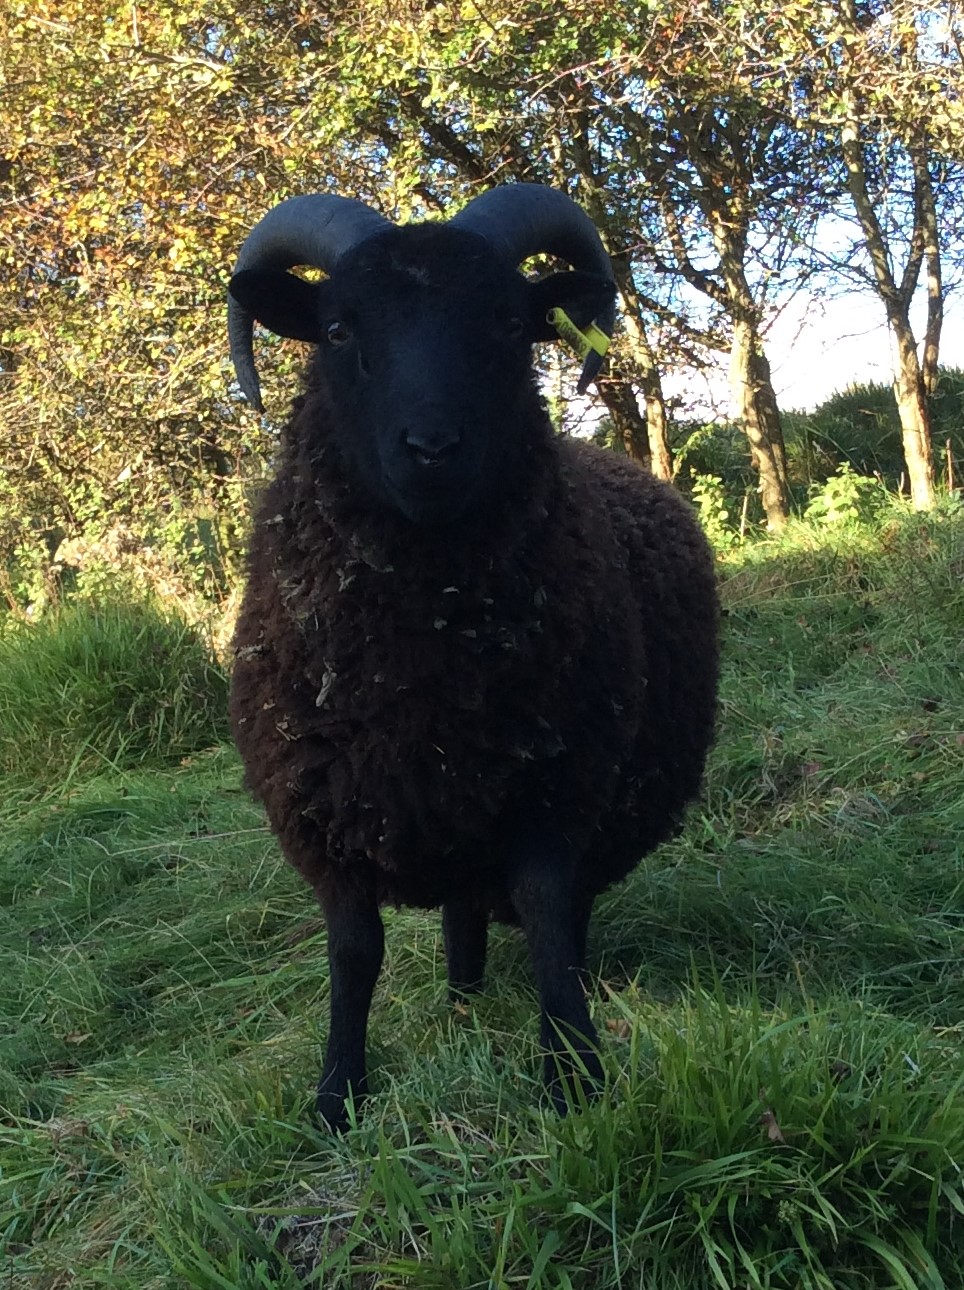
(137, 146)
(882, 78)
(466, 100)
(652, 120)
(740, 193)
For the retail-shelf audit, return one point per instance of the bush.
(859, 426)
(105, 682)
(710, 499)
(713, 448)
(847, 498)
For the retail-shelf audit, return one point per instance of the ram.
(475, 665)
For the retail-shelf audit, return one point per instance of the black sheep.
(476, 661)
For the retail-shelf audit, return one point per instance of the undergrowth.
(779, 992)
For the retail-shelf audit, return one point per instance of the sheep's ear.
(583, 296)
(284, 304)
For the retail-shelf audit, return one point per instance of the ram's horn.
(313, 230)
(521, 220)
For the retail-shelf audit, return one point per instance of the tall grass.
(779, 992)
(105, 683)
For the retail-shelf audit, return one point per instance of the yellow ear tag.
(591, 339)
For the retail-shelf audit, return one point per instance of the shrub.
(713, 448)
(711, 502)
(846, 498)
(860, 426)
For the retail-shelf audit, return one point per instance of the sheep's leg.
(356, 943)
(583, 912)
(554, 922)
(466, 928)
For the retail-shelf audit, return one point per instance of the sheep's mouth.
(425, 461)
(430, 500)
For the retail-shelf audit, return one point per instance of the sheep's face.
(424, 340)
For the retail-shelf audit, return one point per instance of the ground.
(780, 994)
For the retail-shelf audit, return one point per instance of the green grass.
(107, 684)
(780, 994)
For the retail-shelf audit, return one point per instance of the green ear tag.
(583, 341)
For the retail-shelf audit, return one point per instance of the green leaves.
(138, 144)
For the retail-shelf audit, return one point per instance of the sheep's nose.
(431, 447)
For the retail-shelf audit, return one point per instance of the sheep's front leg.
(466, 928)
(554, 921)
(583, 913)
(356, 944)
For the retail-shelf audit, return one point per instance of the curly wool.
(402, 694)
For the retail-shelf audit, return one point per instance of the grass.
(780, 994)
(105, 684)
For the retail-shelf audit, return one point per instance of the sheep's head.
(424, 333)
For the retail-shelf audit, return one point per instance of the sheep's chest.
(425, 708)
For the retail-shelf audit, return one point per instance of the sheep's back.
(673, 599)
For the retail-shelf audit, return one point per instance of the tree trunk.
(756, 406)
(644, 361)
(661, 459)
(618, 395)
(751, 384)
(924, 190)
(914, 416)
(909, 383)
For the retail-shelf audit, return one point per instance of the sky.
(818, 347)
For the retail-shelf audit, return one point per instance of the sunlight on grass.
(779, 994)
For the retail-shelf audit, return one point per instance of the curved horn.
(316, 230)
(521, 220)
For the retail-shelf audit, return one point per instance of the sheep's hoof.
(332, 1111)
(331, 1108)
(573, 1085)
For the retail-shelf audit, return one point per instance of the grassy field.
(781, 992)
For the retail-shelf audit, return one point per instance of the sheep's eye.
(516, 328)
(338, 333)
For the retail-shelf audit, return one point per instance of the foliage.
(712, 447)
(845, 498)
(866, 75)
(859, 426)
(107, 683)
(855, 434)
(779, 992)
(710, 498)
(138, 144)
